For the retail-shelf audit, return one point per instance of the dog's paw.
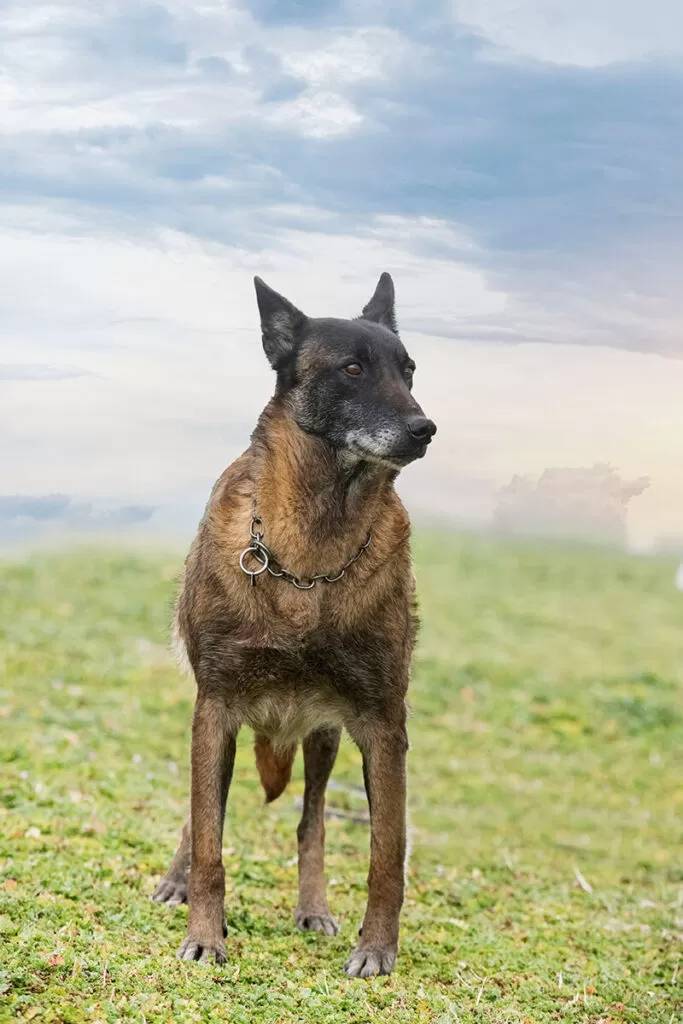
(311, 922)
(365, 963)
(204, 952)
(172, 891)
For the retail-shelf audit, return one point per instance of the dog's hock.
(381, 307)
(280, 323)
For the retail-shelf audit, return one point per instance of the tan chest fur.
(274, 611)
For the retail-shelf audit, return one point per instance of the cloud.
(234, 125)
(587, 33)
(36, 371)
(516, 167)
(169, 329)
(296, 12)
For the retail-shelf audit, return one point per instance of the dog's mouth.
(392, 460)
(364, 455)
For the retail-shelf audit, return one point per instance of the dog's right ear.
(380, 308)
(281, 324)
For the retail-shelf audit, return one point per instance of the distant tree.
(589, 503)
(22, 506)
(22, 515)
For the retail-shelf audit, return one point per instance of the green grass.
(546, 794)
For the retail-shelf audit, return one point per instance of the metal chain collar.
(267, 561)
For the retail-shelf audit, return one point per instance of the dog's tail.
(274, 766)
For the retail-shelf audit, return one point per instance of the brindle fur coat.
(297, 665)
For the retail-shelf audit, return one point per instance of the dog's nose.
(421, 429)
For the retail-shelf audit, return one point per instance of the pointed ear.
(380, 308)
(281, 323)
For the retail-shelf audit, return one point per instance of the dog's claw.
(324, 923)
(191, 949)
(365, 963)
(172, 891)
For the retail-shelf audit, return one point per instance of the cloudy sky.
(515, 164)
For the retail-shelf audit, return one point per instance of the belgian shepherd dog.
(297, 613)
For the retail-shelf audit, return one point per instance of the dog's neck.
(316, 507)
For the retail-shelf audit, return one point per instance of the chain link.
(267, 562)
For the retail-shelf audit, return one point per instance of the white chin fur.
(373, 447)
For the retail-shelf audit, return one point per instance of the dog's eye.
(408, 374)
(353, 369)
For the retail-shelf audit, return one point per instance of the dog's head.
(347, 381)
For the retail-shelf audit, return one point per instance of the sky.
(515, 164)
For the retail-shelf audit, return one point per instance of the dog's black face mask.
(347, 381)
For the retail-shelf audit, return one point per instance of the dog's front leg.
(384, 768)
(213, 758)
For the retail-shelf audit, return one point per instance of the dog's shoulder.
(221, 534)
(228, 512)
(233, 486)
(378, 586)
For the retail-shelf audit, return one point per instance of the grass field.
(546, 794)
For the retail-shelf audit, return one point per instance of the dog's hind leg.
(320, 750)
(172, 889)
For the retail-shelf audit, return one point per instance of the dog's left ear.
(281, 324)
(380, 309)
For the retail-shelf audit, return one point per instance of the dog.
(297, 613)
